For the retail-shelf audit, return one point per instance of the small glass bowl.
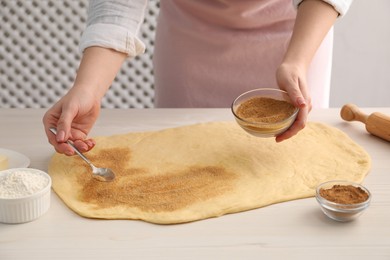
(262, 129)
(338, 211)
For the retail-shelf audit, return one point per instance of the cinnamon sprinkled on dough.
(165, 191)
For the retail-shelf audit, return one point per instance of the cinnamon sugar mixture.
(265, 110)
(164, 191)
(344, 194)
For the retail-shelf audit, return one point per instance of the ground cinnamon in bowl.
(265, 110)
(344, 194)
(342, 200)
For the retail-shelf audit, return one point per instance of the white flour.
(21, 183)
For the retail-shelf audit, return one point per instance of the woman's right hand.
(75, 113)
(73, 116)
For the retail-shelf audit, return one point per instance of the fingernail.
(61, 136)
(68, 153)
(301, 102)
(88, 143)
(84, 148)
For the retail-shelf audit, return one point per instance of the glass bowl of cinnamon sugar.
(343, 200)
(264, 112)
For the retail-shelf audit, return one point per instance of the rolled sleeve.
(115, 25)
(341, 6)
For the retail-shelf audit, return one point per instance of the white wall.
(361, 60)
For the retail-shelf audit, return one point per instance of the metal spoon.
(101, 174)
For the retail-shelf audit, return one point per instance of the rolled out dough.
(205, 170)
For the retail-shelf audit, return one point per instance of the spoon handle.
(54, 131)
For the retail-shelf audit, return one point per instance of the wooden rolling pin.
(377, 124)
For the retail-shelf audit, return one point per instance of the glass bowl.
(342, 212)
(280, 121)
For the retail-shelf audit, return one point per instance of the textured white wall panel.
(39, 55)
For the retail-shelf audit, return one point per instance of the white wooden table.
(290, 230)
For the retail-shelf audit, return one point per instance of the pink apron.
(207, 52)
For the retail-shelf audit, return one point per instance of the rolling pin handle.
(351, 112)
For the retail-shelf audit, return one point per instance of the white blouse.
(115, 24)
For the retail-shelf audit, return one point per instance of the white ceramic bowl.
(26, 208)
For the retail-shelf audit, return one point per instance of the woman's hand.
(292, 79)
(314, 20)
(75, 113)
(73, 116)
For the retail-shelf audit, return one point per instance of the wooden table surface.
(291, 230)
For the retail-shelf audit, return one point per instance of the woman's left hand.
(292, 79)
(314, 20)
